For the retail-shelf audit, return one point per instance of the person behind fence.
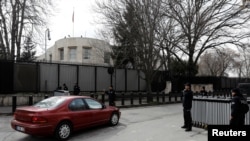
(65, 87)
(111, 95)
(187, 105)
(203, 91)
(76, 89)
(237, 108)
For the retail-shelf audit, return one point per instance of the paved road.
(152, 123)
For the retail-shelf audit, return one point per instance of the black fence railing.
(122, 99)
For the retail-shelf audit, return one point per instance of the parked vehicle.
(59, 116)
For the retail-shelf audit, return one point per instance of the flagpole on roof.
(73, 18)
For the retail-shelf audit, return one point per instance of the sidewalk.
(6, 110)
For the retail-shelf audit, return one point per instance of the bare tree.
(207, 24)
(18, 19)
(217, 63)
(242, 63)
(135, 25)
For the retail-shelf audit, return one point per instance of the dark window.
(86, 53)
(107, 57)
(77, 104)
(61, 52)
(93, 104)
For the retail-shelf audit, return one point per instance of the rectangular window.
(72, 54)
(50, 57)
(107, 57)
(61, 53)
(86, 53)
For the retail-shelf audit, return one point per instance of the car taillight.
(38, 120)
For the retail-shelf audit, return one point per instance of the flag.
(73, 17)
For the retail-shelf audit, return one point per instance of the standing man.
(187, 105)
(76, 89)
(237, 115)
(111, 95)
(65, 87)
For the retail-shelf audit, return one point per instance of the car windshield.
(50, 102)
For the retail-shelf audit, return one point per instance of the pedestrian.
(111, 95)
(65, 87)
(187, 105)
(237, 115)
(203, 91)
(76, 89)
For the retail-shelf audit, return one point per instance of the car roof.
(72, 96)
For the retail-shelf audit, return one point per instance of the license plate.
(19, 128)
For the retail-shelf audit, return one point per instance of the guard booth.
(61, 93)
(213, 111)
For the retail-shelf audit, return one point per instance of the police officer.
(76, 89)
(111, 95)
(65, 87)
(187, 105)
(237, 116)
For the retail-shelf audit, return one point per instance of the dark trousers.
(111, 103)
(187, 118)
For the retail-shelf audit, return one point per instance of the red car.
(61, 115)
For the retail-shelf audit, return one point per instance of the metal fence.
(46, 77)
(213, 111)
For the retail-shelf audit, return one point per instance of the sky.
(61, 24)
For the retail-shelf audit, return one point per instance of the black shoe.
(188, 129)
(183, 126)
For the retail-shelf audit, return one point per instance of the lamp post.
(47, 33)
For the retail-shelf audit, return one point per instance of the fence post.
(13, 104)
(122, 99)
(169, 98)
(175, 97)
(140, 97)
(30, 100)
(163, 97)
(157, 96)
(132, 98)
(181, 97)
(103, 98)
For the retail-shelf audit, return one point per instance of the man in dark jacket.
(237, 116)
(65, 87)
(76, 89)
(187, 105)
(111, 95)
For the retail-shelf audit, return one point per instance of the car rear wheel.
(114, 119)
(63, 131)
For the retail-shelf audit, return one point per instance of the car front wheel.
(114, 119)
(63, 131)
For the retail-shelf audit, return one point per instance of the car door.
(99, 113)
(81, 116)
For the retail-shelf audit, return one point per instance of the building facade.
(79, 50)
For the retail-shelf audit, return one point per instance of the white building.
(79, 50)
